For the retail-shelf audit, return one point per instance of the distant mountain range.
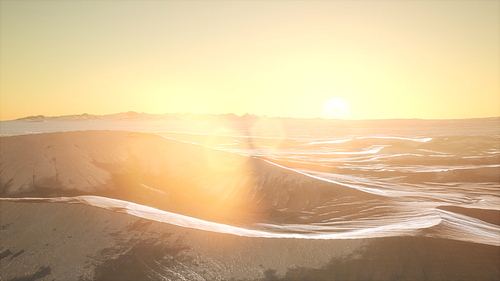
(136, 116)
(132, 115)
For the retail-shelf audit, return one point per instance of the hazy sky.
(387, 59)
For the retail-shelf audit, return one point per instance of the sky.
(385, 59)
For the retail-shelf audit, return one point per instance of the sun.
(336, 108)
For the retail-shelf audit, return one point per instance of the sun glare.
(336, 108)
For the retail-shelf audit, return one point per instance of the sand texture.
(118, 205)
(47, 241)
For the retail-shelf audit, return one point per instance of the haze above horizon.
(386, 59)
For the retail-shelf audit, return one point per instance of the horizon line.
(233, 115)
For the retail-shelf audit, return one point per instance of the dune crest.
(165, 174)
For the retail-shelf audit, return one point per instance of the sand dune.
(116, 205)
(167, 174)
(47, 241)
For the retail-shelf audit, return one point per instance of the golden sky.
(387, 59)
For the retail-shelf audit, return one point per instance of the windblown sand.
(114, 205)
(47, 241)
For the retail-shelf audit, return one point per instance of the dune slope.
(47, 241)
(170, 175)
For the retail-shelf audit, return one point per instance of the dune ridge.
(108, 245)
(157, 215)
(211, 185)
(164, 173)
(119, 205)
